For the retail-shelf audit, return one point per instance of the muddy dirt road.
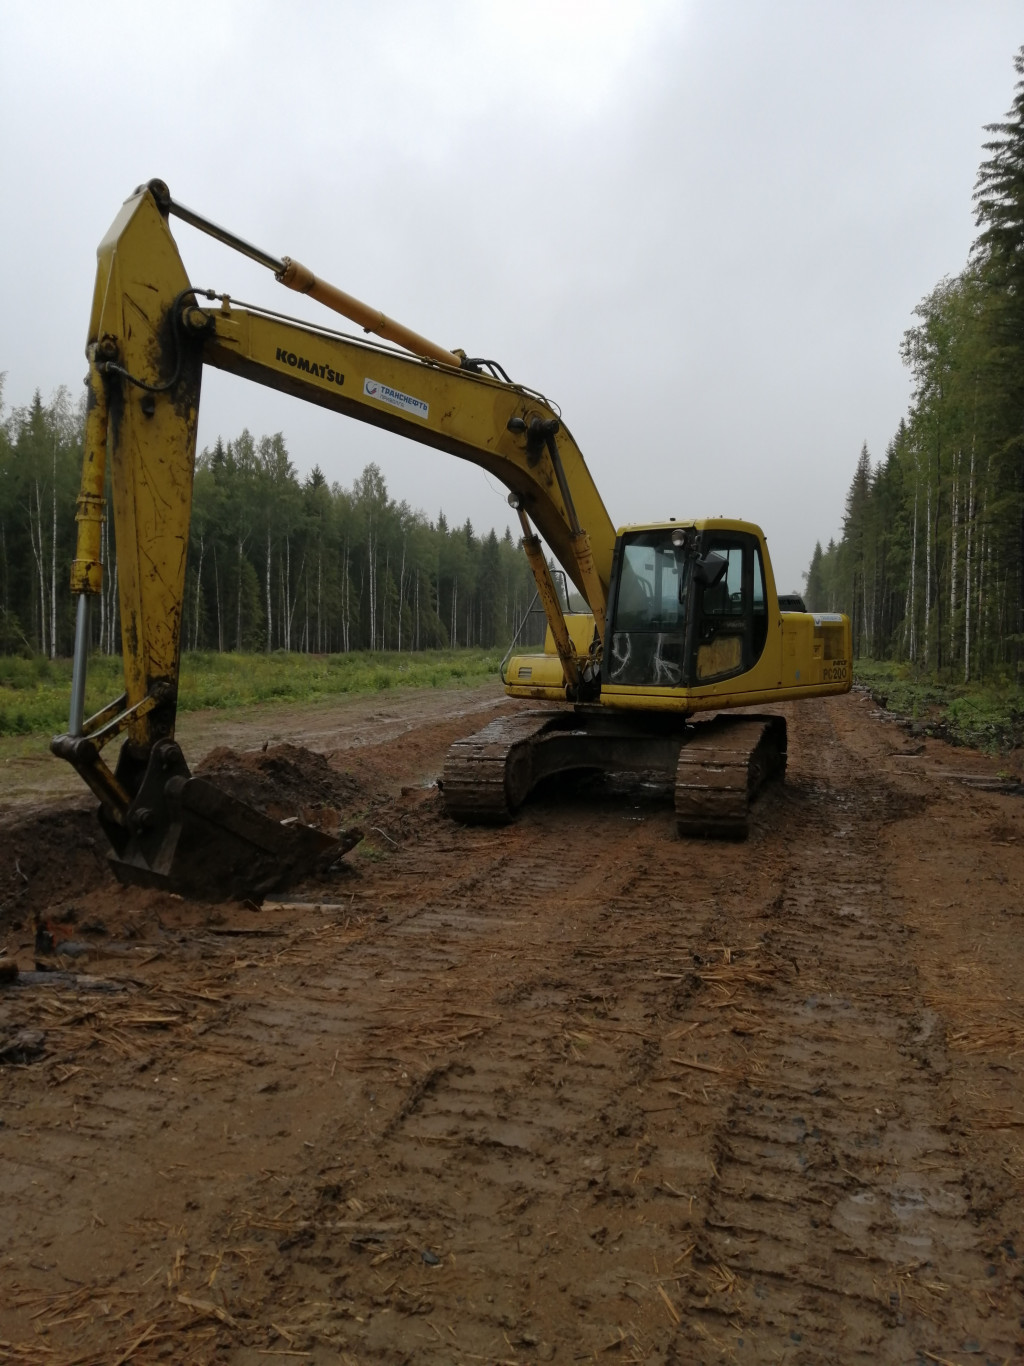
(572, 1090)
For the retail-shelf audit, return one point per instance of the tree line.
(930, 563)
(275, 562)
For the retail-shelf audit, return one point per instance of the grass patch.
(985, 716)
(34, 693)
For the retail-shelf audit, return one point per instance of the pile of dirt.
(48, 854)
(287, 781)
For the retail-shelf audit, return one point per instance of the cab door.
(729, 614)
(647, 624)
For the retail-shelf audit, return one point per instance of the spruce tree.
(814, 590)
(999, 252)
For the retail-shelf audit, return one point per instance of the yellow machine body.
(652, 640)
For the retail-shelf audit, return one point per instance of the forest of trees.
(275, 562)
(930, 564)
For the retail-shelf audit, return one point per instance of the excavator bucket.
(184, 834)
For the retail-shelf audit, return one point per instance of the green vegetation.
(34, 692)
(930, 566)
(988, 717)
(274, 562)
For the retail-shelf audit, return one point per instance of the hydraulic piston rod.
(87, 567)
(302, 279)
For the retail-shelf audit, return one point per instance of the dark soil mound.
(49, 854)
(285, 781)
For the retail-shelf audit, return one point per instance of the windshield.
(649, 623)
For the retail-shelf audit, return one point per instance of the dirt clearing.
(568, 1090)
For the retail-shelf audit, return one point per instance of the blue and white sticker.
(383, 393)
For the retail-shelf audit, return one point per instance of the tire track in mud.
(508, 1135)
(837, 1224)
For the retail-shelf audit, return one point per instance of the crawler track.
(722, 768)
(487, 775)
(718, 765)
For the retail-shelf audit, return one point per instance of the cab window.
(648, 631)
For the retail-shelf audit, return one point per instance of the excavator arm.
(151, 335)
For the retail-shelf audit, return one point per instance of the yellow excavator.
(683, 618)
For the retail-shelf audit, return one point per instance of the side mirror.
(710, 570)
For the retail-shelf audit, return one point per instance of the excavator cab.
(688, 607)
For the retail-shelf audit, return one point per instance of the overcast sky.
(700, 227)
